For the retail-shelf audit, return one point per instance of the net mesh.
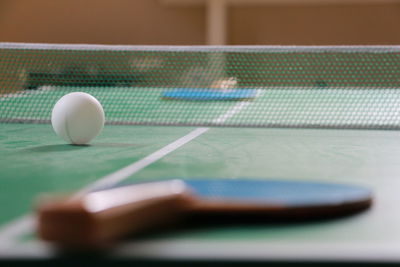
(322, 87)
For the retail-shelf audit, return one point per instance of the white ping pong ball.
(77, 118)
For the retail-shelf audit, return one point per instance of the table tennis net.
(302, 87)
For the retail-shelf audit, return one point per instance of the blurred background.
(199, 22)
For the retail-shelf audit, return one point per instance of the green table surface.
(34, 160)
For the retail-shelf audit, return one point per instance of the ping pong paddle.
(104, 216)
(191, 94)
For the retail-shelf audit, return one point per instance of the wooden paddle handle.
(99, 218)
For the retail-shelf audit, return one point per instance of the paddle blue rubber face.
(191, 94)
(278, 192)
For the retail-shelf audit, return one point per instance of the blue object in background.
(209, 94)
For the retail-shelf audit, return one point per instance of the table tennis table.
(339, 124)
